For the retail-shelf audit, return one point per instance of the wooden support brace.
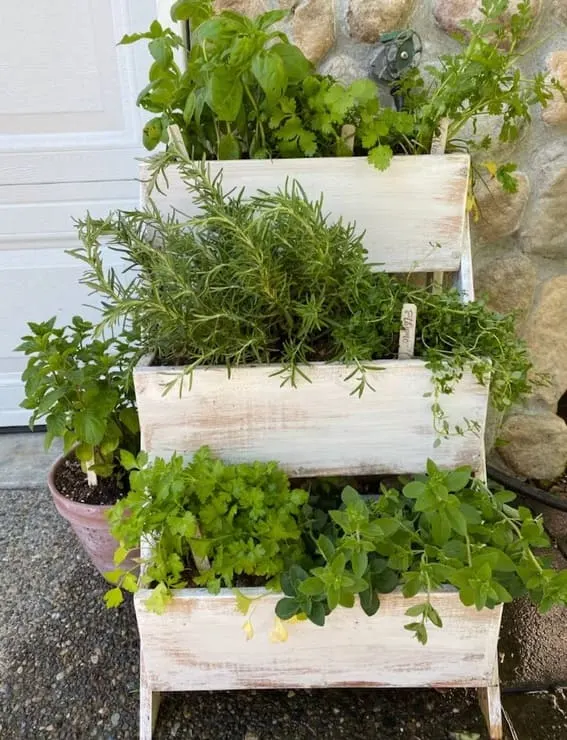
(149, 704)
(489, 699)
(438, 146)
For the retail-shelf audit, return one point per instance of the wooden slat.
(314, 429)
(464, 278)
(199, 644)
(417, 203)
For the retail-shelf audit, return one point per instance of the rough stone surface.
(251, 8)
(367, 19)
(314, 28)
(500, 212)
(560, 8)
(537, 445)
(547, 339)
(450, 14)
(556, 111)
(508, 283)
(343, 68)
(547, 235)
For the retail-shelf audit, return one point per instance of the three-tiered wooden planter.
(415, 220)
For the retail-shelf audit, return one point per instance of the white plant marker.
(92, 479)
(407, 332)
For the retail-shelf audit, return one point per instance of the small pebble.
(115, 719)
(94, 659)
(60, 676)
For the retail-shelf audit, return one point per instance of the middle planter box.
(316, 428)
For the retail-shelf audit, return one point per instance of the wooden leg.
(489, 699)
(149, 705)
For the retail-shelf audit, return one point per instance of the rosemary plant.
(270, 279)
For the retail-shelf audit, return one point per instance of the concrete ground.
(69, 667)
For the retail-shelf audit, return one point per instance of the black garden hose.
(526, 489)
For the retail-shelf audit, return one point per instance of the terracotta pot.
(89, 524)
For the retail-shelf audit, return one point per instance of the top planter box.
(415, 219)
(414, 213)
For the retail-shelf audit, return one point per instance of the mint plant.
(241, 520)
(80, 386)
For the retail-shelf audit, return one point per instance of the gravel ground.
(68, 667)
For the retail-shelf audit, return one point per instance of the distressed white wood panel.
(464, 280)
(314, 429)
(416, 204)
(199, 644)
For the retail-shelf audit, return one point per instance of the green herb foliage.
(248, 93)
(271, 280)
(243, 518)
(442, 528)
(80, 386)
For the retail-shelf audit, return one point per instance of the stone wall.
(520, 241)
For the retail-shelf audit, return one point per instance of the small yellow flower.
(279, 633)
(248, 629)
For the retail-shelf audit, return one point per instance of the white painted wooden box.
(199, 643)
(415, 220)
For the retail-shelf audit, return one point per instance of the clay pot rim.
(79, 507)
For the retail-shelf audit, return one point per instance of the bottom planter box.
(200, 643)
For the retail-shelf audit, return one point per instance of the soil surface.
(71, 482)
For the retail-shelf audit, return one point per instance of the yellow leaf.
(492, 167)
(301, 617)
(243, 603)
(248, 629)
(279, 633)
(472, 208)
(120, 554)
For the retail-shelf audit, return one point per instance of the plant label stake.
(91, 475)
(407, 331)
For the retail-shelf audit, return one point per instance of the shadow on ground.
(69, 667)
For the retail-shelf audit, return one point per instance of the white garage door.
(69, 136)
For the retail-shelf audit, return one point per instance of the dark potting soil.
(71, 482)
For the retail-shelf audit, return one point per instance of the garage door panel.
(35, 284)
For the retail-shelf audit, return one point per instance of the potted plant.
(433, 556)
(274, 292)
(80, 387)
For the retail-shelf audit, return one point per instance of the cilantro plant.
(441, 528)
(271, 280)
(80, 386)
(247, 92)
(212, 523)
